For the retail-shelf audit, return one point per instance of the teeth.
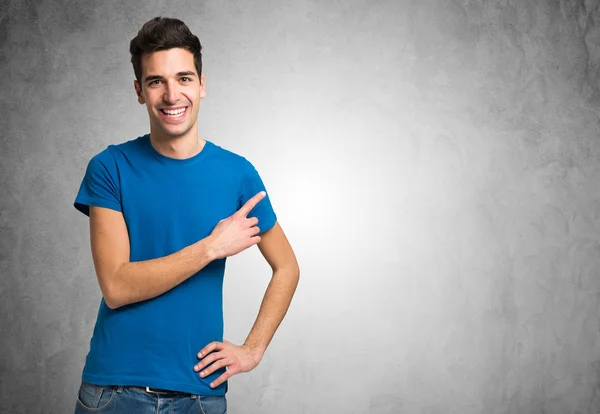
(174, 112)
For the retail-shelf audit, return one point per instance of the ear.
(202, 89)
(138, 92)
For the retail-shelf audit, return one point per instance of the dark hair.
(162, 33)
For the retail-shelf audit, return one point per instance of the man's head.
(167, 63)
(163, 33)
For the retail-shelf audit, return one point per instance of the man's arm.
(276, 249)
(123, 282)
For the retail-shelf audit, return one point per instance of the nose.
(171, 95)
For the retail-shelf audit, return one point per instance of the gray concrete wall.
(435, 165)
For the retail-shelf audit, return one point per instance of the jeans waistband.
(155, 391)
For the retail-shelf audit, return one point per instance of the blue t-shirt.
(167, 204)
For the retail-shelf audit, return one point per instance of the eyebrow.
(179, 74)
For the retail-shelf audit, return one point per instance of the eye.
(186, 79)
(154, 82)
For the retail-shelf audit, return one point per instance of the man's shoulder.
(111, 152)
(132, 145)
(230, 156)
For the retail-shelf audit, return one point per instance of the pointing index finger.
(250, 204)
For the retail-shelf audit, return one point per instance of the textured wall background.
(435, 165)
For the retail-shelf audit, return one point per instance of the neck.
(178, 147)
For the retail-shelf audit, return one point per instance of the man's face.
(171, 88)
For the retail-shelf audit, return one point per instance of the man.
(166, 209)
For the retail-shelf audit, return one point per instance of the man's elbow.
(111, 291)
(297, 272)
(290, 272)
(111, 298)
(112, 305)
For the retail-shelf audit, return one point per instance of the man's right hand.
(237, 232)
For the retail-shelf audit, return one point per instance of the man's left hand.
(234, 358)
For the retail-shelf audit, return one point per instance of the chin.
(173, 131)
(175, 134)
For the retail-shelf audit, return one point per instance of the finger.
(209, 360)
(255, 239)
(209, 348)
(217, 365)
(252, 221)
(224, 377)
(250, 204)
(254, 230)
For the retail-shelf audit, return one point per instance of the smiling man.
(166, 209)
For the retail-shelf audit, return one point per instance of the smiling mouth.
(174, 113)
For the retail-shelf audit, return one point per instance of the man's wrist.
(205, 250)
(257, 351)
(207, 245)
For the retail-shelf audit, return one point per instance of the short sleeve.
(252, 184)
(100, 185)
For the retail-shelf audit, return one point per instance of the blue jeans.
(133, 400)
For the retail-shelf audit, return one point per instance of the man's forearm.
(137, 281)
(273, 308)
